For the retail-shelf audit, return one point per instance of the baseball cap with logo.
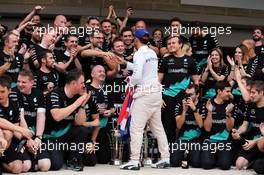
(142, 34)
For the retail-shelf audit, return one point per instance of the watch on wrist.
(39, 137)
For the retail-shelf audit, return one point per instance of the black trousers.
(216, 157)
(103, 154)
(168, 117)
(258, 165)
(70, 145)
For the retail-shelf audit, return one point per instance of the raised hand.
(209, 106)
(38, 8)
(230, 61)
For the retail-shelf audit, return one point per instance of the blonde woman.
(187, 49)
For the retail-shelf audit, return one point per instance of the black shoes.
(74, 164)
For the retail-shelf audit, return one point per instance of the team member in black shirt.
(128, 39)
(257, 36)
(256, 62)
(217, 124)
(189, 116)
(33, 104)
(175, 74)
(11, 62)
(258, 164)
(11, 116)
(95, 56)
(174, 30)
(250, 127)
(108, 35)
(118, 83)
(92, 24)
(215, 71)
(46, 78)
(66, 106)
(35, 37)
(104, 100)
(68, 58)
(47, 43)
(202, 44)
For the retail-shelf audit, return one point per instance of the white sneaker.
(163, 163)
(131, 165)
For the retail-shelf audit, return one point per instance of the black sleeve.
(192, 68)
(201, 107)
(178, 109)
(34, 55)
(162, 65)
(2, 115)
(2, 62)
(58, 55)
(37, 81)
(41, 100)
(248, 113)
(259, 75)
(251, 67)
(213, 42)
(93, 107)
(205, 110)
(111, 100)
(53, 100)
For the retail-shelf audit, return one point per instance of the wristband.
(39, 137)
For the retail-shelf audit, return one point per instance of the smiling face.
(11, 42)
(174, 45)
(238, 54)
(97, 40)
(157, 35)
(127, 37)
(215, 57)
(107, 27)
(71, 43)
(24, 84)
(98, 73)
(119, 47)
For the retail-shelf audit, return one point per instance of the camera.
(186, 96)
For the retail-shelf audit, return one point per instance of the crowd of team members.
(52, 91)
